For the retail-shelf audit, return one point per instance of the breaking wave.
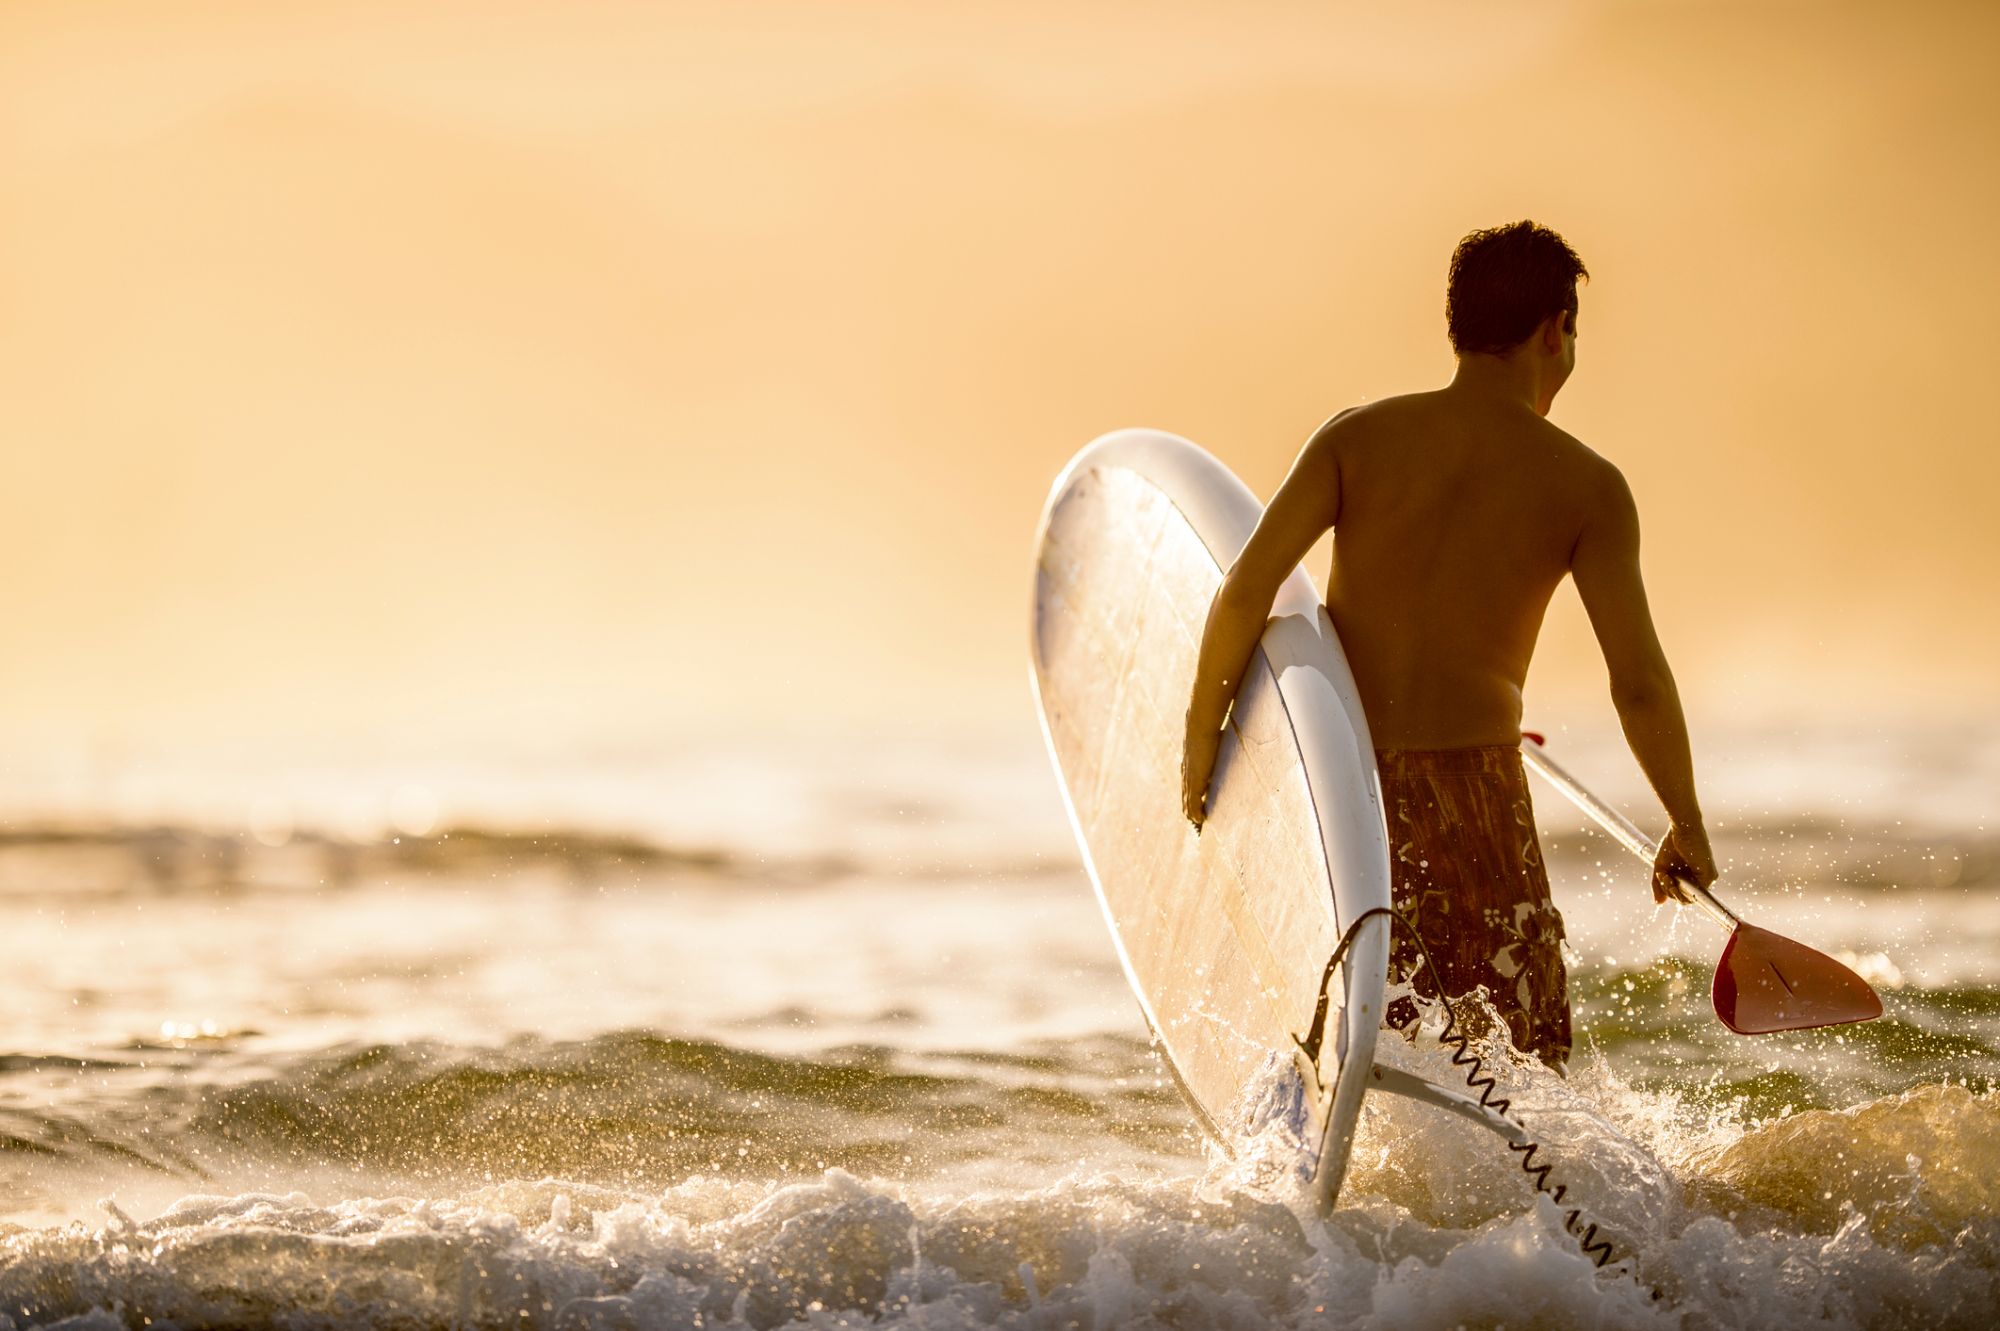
(636, 1181)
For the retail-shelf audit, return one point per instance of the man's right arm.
(1605, 565)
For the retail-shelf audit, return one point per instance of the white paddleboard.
(1224, 936)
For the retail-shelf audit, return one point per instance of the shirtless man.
(1455, 515)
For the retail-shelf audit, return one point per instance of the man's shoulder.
(1368, 420)
(1567, 445)
(1598, 475)
(1380, 410)
(1603, 499)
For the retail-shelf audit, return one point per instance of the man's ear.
(1551, 332)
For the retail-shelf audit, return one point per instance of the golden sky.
(574, 369)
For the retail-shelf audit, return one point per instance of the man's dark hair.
(1504, 282)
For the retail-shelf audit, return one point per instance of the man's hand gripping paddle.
(1764, 981)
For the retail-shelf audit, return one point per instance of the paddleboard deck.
(1224, 935)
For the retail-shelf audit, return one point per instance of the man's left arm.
(1305, 506)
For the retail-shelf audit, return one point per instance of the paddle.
(1764, 982)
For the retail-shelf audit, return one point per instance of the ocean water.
(834, 1036)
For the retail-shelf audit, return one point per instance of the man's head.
(1512, 290)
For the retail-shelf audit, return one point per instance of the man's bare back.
(1460, 512)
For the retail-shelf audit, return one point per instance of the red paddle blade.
(1766, 982)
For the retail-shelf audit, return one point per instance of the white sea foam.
(1090, 1250)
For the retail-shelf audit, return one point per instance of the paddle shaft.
(1622, 829)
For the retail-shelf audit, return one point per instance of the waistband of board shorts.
(1501, 759)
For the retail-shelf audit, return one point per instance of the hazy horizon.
(573, 372)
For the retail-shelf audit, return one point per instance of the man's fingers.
(1191, 805)
(1669, 871)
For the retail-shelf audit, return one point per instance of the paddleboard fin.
(1315, 1035)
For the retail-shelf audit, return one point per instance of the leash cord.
(1459, 1044)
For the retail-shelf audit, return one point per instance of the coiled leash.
(1459, 1044)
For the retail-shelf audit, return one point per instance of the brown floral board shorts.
(1466, 870)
